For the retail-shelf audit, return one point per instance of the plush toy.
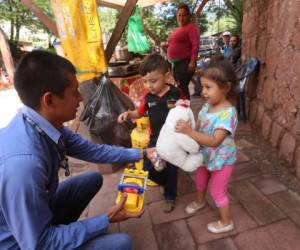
(177, 148)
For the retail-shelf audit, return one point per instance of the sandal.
(193, 207)
(162, 190)
(218, 227)
(168, 206)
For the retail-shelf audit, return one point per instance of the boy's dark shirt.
(157, 108)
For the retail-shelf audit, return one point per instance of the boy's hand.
(149, 152)
(123, 117)
(146, 153)
(117, 213)
(183, 127)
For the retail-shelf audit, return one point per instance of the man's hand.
(117, 213)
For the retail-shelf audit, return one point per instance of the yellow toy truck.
(140, 137)
(133, 182)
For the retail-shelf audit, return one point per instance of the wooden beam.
(6, 55)
(47, 21)
(200, 8)
(119, 29)
(153, 36)
(103, 3)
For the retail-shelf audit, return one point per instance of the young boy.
(154, 70)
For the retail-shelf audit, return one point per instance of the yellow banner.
(80, 36)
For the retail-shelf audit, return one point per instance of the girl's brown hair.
(221, 72)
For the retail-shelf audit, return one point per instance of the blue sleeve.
(227, 120)
(97, 153)
(25, 205)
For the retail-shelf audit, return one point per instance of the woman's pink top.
(183, 43)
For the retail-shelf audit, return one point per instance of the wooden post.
(109, 5)
(153, 36)
(200, 8)
(41, 16)
(6, 55)
(119, 29)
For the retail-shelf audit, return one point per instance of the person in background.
(226, 47)
(157, 101)
(235, 55)
(201, 66)
(36, 211)
(182, 48)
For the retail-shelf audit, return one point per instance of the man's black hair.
(39, 72)
(153, 62)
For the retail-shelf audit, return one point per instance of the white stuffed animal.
(177, 148)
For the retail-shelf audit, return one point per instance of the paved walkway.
(266, 213)
(9, 105)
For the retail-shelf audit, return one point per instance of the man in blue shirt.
(36, 212)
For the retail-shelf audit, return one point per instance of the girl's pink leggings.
(218, 181)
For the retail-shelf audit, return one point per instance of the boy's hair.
(185, 7)
(39, 72)
(221, 72)
(153, 62)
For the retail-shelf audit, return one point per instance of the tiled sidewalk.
(265, 212)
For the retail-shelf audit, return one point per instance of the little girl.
(217, 124)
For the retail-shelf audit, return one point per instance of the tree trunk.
(12, 30)
(200, 8)
(50, 45)
(18, 27)
(6, 55)
(12, 22)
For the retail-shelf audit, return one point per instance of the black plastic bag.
(102, 110)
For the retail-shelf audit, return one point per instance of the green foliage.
(159, 19)
(162, 20)
(18, 16)
(235, 10)
(108, 18)
(231, 11)
(221, 24)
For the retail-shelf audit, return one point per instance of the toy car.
(133, 182)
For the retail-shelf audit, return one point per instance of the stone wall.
(271, 32)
